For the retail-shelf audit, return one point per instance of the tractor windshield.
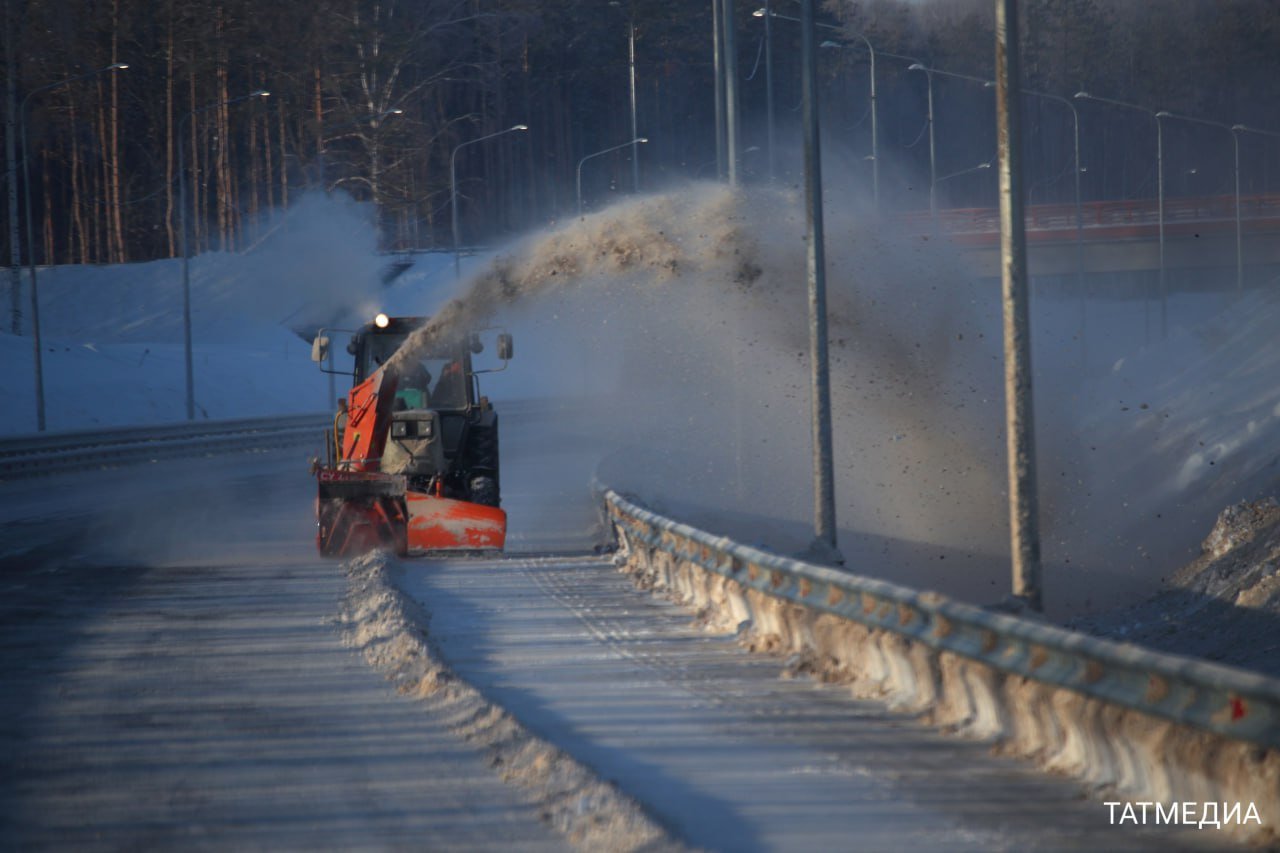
(435, 380)
(376, 349)
(432, 382)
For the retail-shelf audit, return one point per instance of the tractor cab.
(440, 377)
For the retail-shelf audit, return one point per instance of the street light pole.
(1236, 130)
(633, 143)
(1075, 136)
(1235, 171)
(631, 60)
(31, 246)
(1156, 116)
(1024, 510)
(920, 66)
(824, 499)
(186, 254)
(10, 147)
(768, 14)
(768, 84)
(717, 65)
(933, 173)
(730, 47)
(453, 188)
(635, 149)
(875, 136)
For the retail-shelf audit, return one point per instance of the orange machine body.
(360, 508)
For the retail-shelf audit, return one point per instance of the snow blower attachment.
(412, 459)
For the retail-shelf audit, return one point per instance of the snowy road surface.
(173, 678)
(722, 750)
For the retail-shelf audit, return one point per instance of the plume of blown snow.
(683, 317)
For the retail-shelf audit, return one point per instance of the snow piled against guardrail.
(1067, 701)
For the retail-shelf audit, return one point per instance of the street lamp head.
(916, 66)
(1082, 94)
(758, 13)
(261, 93)
(119, 66)
(1238, 127)
(395, 112)
(830, 43)
(521, 127)
(1164, 114)
(642, 139)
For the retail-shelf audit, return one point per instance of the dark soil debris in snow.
(1224, 606)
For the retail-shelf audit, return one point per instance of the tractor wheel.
(484, 490)
(482, 450)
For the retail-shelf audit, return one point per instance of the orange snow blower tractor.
(412, 459)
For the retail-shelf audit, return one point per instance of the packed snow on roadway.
(674, 328)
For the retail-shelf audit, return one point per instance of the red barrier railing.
(1131, 218)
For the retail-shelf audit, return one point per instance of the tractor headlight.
(382, 321)
(411, 429)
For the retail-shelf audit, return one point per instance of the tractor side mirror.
(505, 347)
(320, 349)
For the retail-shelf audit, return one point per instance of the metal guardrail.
(54, 452)
(50, 453)
(1230, 702)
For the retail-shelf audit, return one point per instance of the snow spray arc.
(689, 307)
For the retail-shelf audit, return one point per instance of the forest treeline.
(372, 97)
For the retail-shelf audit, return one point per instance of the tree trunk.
(101, 211)
(222, 180)
(284, 172)
(317, 109)
(269, 166)
(253, 167)
(47, 214)
(531, 200)
(169, 166)
(195, 232)
(117, 214)
(79, 243)
(10, 137)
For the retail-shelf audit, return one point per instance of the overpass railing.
(1139, 216)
